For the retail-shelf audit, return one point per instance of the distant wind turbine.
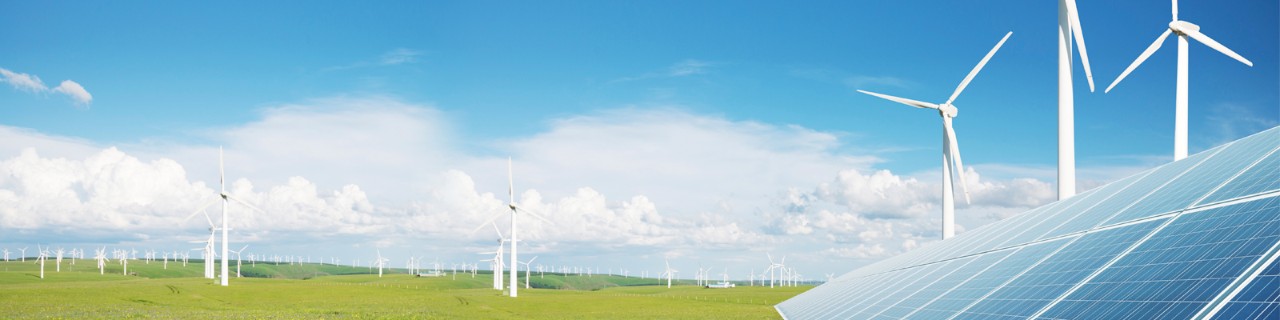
(950, 146)
(1184, 30)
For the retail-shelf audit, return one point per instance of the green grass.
(326, 291)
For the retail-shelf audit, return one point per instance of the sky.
(710, 134)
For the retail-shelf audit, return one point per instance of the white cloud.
(399, 56)
(22, 81)
(32, 83)
(688, 67)
(75, 91)
(863, 82)
(377, 171)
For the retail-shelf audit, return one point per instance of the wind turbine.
(527, 267)
(950, 146)
(226, 199)
(381, 262)
(777, 267)
(515, 210)
(669, 272)
(24, 254)
(496, 262)
(101, 256)
(1184, 30)
(1068, 27)
(57, 261)
(44, 254)
(6, 254)
(237, 252)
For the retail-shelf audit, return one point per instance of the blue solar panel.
(979, 285)
(1182, 268)
(1259, 300)
(1263, 176)
(1031, 291)
(1195, 184)
(1178, 241)
(955, 277)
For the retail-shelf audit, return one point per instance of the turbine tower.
(1068, 27)
(950, 147)
(1184, 30)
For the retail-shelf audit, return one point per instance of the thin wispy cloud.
(32, 83)
(688, 67)
(858, 82)
(399, 56)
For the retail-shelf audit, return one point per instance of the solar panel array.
(1195, 238)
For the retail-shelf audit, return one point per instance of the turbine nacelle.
(948, 110)
(1183, 27)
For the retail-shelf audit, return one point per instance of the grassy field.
(327, 291)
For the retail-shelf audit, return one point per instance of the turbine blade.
(1142, 57)
(534, 214)
(1078, 31)
(1175, 10)
(246, 204)
(221, 173)
(953, 147)
(977, 68)
(511, 184)
(909, 102)
(1216, 46)
(193, 214)
(487, 222)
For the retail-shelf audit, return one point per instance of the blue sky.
(473, 82)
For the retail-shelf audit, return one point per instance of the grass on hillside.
(181, 292)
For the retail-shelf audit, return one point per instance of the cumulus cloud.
(32, 83)
(383, 172)
(881, 214)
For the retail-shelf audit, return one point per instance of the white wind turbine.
(6, 254)
(24, 254)
(669, 273)
(101, 256)
(44, 254)
(774, 267)
(57, 261)
(1068, 28)
(527, 267)
(237, 252)
(226, 199)
(496, 262)
(950, 146)
(381, 262)
(516, 209)
(1184, 30)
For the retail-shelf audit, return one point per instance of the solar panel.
(1197, 237)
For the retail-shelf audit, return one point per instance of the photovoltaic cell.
(1259, 300)
(1179, 270)
(1040, 285)
(956, 277)
(979, 285)
(1195, 184)
(1264, 176)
